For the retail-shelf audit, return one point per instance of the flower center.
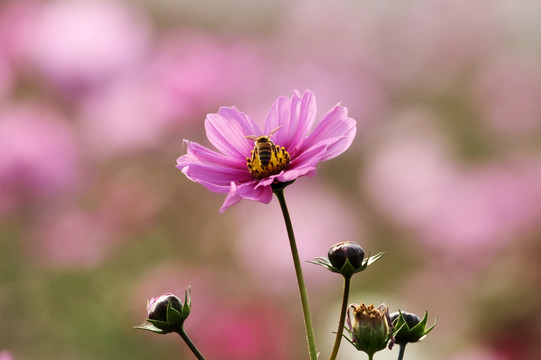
(267, 158)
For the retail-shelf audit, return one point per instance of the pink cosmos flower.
(5, 355)
(294, 150)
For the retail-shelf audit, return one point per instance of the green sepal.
(420, 329)
(372, 259)
(348, 269)
(151, 327)
(173, 315)
(186, 307)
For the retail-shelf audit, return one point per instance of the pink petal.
(336, 130)
(232, 198)
(295, 118)
(266, 181)
(220, 176)
(310, 157)
(214, 171)
(339, 145)
(199, 154)
(251, 192)
(246, 191)
(227, 131)
(297, 173)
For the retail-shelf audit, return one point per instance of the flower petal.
(247, 191)
(297, 173)
(295, 118)
(336, 130)
(213, 170)
(197, 153)
(227, 131)
(232, 198)
(251, 192)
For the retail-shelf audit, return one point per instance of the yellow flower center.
(267, 158)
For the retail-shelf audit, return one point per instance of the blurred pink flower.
(6, 78)
(81, 45)
(488, 206)
(479, 354)
(187, 73)
(259, 329)
(5, 355)
(507, 92)
(17, 21)
(69, 235)
(418, 47)
(227, 171)
(408, 169)
(462, 211)
(72, 238)
(38, 154)
(192, 70)
(124, 118)
(332, 37)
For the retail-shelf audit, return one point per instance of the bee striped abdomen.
(267, 158)
(265, 150)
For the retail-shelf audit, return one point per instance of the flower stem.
(401, 351)
(342, 320)
(300, 278)
(190, 344)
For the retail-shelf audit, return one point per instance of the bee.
(267, 158)
(264, 147)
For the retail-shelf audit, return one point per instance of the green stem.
(190, 344)
(342, 320)
(300, 278)
(401, 352)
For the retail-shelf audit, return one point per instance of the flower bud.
(157, 307)
(369, 329)
(346, 258)
(166, 313)
(343, 252)
(410, 327)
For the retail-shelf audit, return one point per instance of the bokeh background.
(444, 174)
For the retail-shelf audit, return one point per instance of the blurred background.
(444, 174)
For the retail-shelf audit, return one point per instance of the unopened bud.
(166, 313)
(346, 258)
(410, 327)
(344, 252)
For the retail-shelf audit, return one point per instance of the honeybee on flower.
(267, 158)
(298, 146)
